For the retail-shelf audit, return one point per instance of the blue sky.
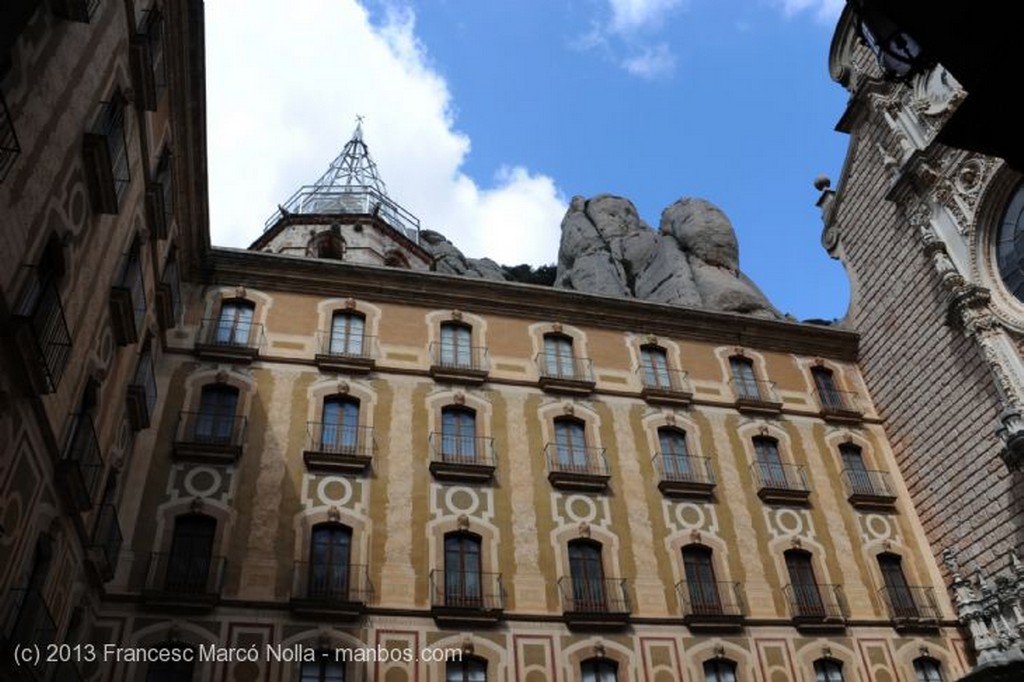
(485, 118)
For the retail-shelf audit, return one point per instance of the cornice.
(275, 272)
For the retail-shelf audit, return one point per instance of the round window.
(1010, 246)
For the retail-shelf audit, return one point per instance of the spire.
(354, 167)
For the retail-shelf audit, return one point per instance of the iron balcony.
(565, 374)
(577, 467)
(462, 364)
(209, 436)
(229, 340)
(712, 604)
(780, 483)
(595, 602)
(665, 386)
(339, 447)
(466, 597)
(459, 457)
(813, 605)
(334, 590)
(683, 475)
(756, 396)
(351, 353)
(186, 580)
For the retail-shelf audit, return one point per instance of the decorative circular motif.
(325, 490)
(1010, 245)
(580, 509)
(202, 482)
(789, 521)
(462, 499)
(689, 515)
(878, 526)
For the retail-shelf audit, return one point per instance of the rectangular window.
(655, 364)
(456, 345)
(106, 155)
(744, 379)
(347, 334)
(558, 358)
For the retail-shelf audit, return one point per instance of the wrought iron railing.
(185, 575)
(340, 439)
(9, 147)
(230, 334)
(81, 465)
(868, 483)
(910, 602)
(352, 199)
(594, 595)
(131, 286)
(754, 391)
(452, 356)
(466, 590)
(810, 601)
(106, 536)
(834, 401)
(145, 381)
(171, 279)
(42, 319)
(341, 345)
(451, 448)
(564, 367)
(664, 380)
(575, 459)
(210, 428)
(776, 476)
(29, 621)
(683, 468)
(329, 583)
(711, 598)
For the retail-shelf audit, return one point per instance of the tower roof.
(354, 166)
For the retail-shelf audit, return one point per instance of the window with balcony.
(770, 462)
(805, 596)
(179, 666)
(836, 404)
(347, 333)
(828, 670)
(469, 669)
(719, 670)
(168, 293)
(81, 464)
(458, 434)
(572, 463)
(338, 441)
(599, 670)
(744, 379)
(330, 551)
(160, 197)
(40, 330)
(324, 669)
(927, 670)
(231, 335)
(777, 482)
(660, 383)
(571, 445)
(190, 561)
(340, 425)
(9, 147)
(562, 371)
(29, 620)
(148, 65)
(906, 603)
(700, 580)
(128, 298)
(106, 156)
(558, 356)
(455, 358)
(675, 457)
(586, 570)
(680, 472)
(234, 324)
(865, 488)
(462, 571)
(215, 421)
(456, 344)
(655, 365)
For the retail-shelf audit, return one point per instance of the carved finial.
(568, 409)
(467, 645)
(739, 352)
(584, 529)
(796, 542)
(719, 651)
(239, 292)
(695, 536)
(670, 418)
(334, 514)
(221, 377)
(599, 650)
(457, 315)
(557, 327)
(826, 652)
(949, 558)
(818, 362)
(1015, 562)
(763, 431)
(459, 398)
(887, 545)
(822, 182)
(652, 339)
(849, 438)
(463, 522)
(343, 387)
(197, 505)
(350, 303)
(924, 652)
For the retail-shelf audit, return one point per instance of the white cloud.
(824, 10)
(652, 62)
(284, 88)
(630, 15)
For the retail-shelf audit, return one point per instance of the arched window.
(456, 345)
(339, 432)
(719, 670)
(828, 670)
(179, 666)
(828, 392)
(927, 670)
(587, 573)
(700, 581)
(856, 472)
(324, 669)
(675, 458)
(330, 550)
(328, 244)
(347, 337)
(234, 325)
(599, 670)
(769, 462)
(468, 669)
(396, 259)
(654, 360)
(558, 357)
(805, 597)
(190, 561)
(215, 421)
(897, 592)
(744, 380)
(571, 444)
(462, 570)
(1010, 245)
(458, 434)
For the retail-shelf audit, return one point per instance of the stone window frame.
(216, 299)
(372, 314)
(540, 330)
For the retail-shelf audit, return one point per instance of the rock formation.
(450, 260)
(692, 260)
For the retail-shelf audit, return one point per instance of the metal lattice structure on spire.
(350, 186)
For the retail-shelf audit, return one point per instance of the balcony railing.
(9, 147)
(229, 340)
(105, 151)
(348, 200)
(839, 405)
(596, 600)
(711, 603)
(141, 397)
(454, 456)
(566, 374)
(168, 295)
(665, 386)
(209, 436)
(341, 589)
(813, 603)
(42, 333)
(756, 395)
(466, 590)
(577, 467)
(910, 605)
(339, 447)
(450, 362)
(128, 303)
(106, 542)
(683, 475)
(81, 465)
(184, 578)
(29, 621)
(346, 352)
(148, 68)
(785, 483)
(868, 488)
